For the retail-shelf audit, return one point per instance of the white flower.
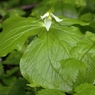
(48, 19)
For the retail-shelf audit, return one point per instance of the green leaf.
(92, 24)
(18, 87)
(88, 74)
(50, 92)
(80, 3)
(85, 52)
(71, 68)
(70, 21)
(85, 89)
(1, 69)
(11, 71)
(41, 61)
(4, 90)
(85, 46)
(87, 17)
(9, 81)
(16, 31)
(16, 11)
(69, 1)
(13, 58)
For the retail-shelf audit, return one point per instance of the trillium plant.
(60, 60)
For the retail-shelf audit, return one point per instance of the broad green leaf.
(85, 52)
(41, 61)
(15, 32)
(87, 17)
(91, 69)
(50, 92)
(88, 74)
(70, 21)
(85, 46)
(85, 89)
(71, 68)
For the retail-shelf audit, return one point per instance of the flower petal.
(47, 23)
(45, 15)
(56, 18)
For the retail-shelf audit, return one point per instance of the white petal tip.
(41, 17)
(56, 18)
